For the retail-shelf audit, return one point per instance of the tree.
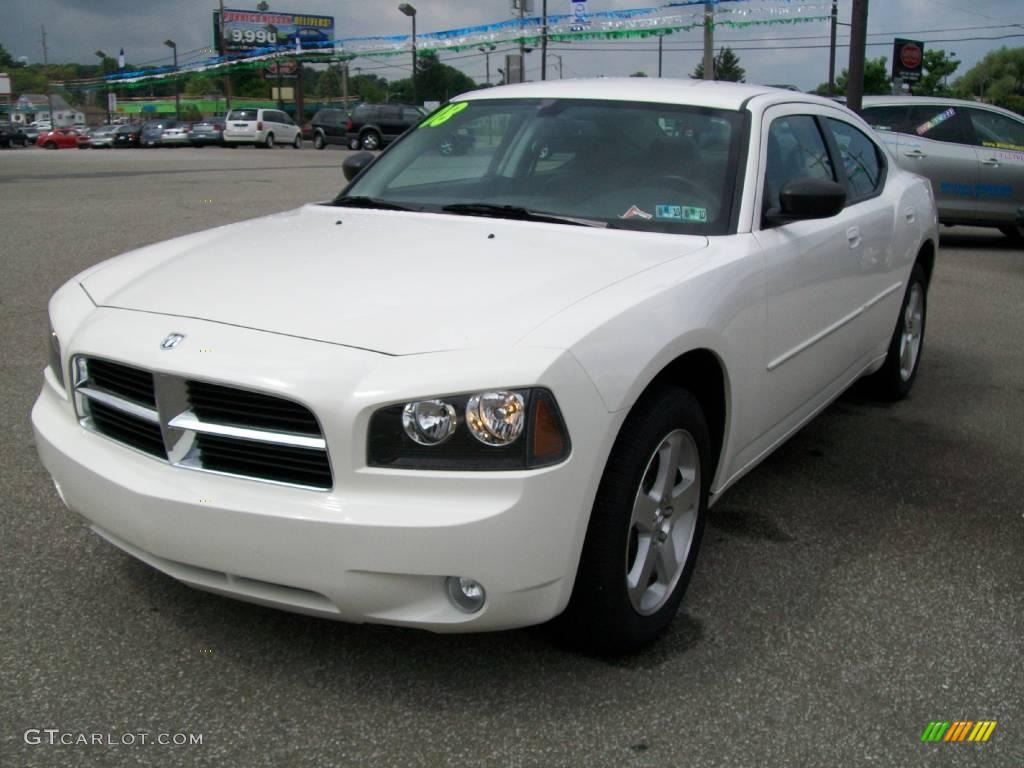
(876, 79)
(937, 69)
(727, 67)
(997, 79)
(6, 60)
(439, 82)
(639, 73)
(329, 86)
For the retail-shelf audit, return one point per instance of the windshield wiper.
(518, 213)
(361, 201)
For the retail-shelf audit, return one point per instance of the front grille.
(123, 380)
(285, 464)
(125, 428)
(226, 405)
(204, 426)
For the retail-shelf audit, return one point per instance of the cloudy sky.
(796, 54)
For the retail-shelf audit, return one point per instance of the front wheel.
(1013, 232)
(370, 141)
(318, 141)
(895, 378)
(50, 145)
(645, 528)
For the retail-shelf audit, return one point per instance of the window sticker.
(1003, 145)
(681, 213)
(939, 119)
(445, 115)
(636, 213)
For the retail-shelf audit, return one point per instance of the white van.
(261, 127)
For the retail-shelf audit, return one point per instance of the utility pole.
(661, 40)
(709, 41)
(344, 83)
(49, 94)
(544, 43)
(486, 51)
(858, 45)
(832, 49)
(223, 54)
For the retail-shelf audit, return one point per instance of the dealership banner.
(245, 31)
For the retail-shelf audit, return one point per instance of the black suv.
(330, 126)
(373, 126)
(11, 134)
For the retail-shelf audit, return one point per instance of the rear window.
(243, 114)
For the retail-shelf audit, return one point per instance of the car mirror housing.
(353, 165)
(807, 199)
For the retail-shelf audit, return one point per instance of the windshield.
(656, 167)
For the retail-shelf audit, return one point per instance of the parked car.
(373, 126)
(176, 135)
(102, 137)
(153, 132)
(12, 134)
(973, 154)
(329, 126)
(517, 394)
(262, 128)
(207, 132)
(128, 135)
(62, 138)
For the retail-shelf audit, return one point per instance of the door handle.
(991, 162)
(917, 154)
(853, 236)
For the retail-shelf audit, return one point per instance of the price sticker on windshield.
(444, 115)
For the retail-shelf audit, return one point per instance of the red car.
(62, 138)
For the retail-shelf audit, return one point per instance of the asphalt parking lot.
(865, 580)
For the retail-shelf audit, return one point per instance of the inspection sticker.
(681, 213)
(636, 213)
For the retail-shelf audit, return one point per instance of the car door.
(998, 141)
(813, 274)
(390, 120)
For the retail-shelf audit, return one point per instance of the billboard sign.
(907, 60)
(245, 31)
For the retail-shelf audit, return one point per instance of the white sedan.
(488, 389)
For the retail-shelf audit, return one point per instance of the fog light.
(466, 595)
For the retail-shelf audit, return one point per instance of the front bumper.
(379, 545)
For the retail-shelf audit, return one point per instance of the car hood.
(392, 282)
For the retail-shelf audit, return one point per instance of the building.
(35, 107)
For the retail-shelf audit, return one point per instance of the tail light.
(348, 124)
(259, 126)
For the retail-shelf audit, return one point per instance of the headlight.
(55, 362)
(493, 430)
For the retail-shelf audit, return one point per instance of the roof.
(703, 93)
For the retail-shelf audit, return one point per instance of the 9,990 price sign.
(248, 30)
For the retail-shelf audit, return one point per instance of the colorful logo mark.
(958, 730)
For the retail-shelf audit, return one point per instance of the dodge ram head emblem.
(172, 341)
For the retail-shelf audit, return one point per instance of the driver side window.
(796, 150)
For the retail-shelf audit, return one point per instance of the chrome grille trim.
(180, 428)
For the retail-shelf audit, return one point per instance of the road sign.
(907, 60)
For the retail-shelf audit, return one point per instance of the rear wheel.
(318, 141)
(50, 145)
(269, 141)
(895, 378)
(370, 141)
(645, 528)
(1013, 232)
(298, 141)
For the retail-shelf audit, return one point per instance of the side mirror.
(807, 199)
(353, 165)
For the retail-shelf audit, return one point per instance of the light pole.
(559, 57)
(409, 11)
(486, 51)
(177, 86)
(106, 90)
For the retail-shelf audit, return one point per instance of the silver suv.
(973, 154)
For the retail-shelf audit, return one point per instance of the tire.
(370, 141)
(50, 145)
(640, 551)
(353, 143)
(895, 378)
(269, 141)
(297, 144)
(318, 141)
(1013, 232)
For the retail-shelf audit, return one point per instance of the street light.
(106, 91)
(409, 11)
(177, 95)
(486, 51)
